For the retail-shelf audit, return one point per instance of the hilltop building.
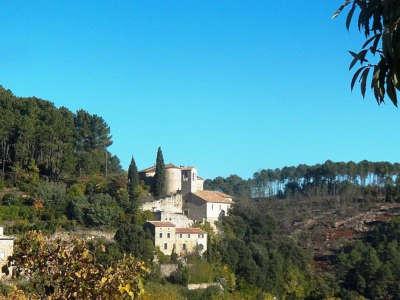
(169, 238)
(185, 197)
(184, 203)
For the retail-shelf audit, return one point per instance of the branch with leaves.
(379, 56)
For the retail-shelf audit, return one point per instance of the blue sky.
(228, 86)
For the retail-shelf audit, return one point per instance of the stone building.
(181, 180)
(207, 206)
(185, 201)
(6, 248)
(169, 238)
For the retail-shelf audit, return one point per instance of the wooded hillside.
(37, 136)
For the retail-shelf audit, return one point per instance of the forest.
(58, 177)
(327, 179)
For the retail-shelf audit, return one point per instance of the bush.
(133, 239)
(11, 199)
(180, 276)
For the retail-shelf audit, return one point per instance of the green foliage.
(159, 177)
(379, 55)
(371, 267)
(133, 185)
(180, 276)
(106, 253)
(36, 138)
(134, 239)
(258, 256)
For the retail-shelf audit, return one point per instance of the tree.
(134, 239)
(379, 20)
(159, 177)
(133, 184)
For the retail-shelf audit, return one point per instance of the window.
(184, 247)
(168, 235)
(180, 235)
(160, 235)
(189, 235)
(200, 236)
(212, 206)
(165, 246)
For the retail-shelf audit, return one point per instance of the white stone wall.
(191, 241)
(164, 239)
(171, 204)
(6, 250)
(200, 184)
(179, 219)
(215, 210)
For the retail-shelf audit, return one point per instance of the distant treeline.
(329, 178)
(37, 136)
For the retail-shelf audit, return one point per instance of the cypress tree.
(159, 177)
(133, 183)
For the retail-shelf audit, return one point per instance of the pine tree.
(133, 183)
(159, 177)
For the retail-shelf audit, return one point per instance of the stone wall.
(195, 208)
(179, 219)
(171, 204)
(203, 286)
(167, 269)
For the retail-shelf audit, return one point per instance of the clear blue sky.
(228, 86)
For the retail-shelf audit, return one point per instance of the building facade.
(169, 238)
(6, 248)
(207, 206)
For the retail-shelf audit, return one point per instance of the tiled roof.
(162, 224)
(189, 230)
(153, 168)
(214, 196)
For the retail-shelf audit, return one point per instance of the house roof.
(214, 196)
(161, 224)
(153, 168)
(189, 230)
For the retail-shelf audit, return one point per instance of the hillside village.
(184, 205)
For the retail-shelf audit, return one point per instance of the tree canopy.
(61, 144)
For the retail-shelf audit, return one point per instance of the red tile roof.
(162, 224)
(214, 196)
(189, 230)
(153, 168)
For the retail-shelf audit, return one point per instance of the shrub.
(11, 199)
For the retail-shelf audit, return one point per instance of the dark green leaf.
(350, 15)
(356, 74)
(363, 79)
(391, 90)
